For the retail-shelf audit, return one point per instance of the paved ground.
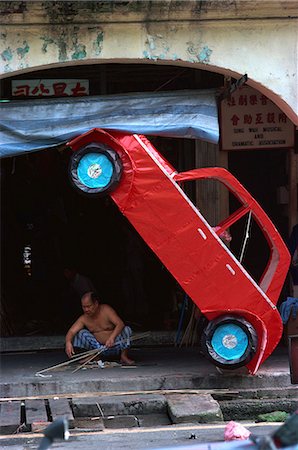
(156, 368)
(137, 438)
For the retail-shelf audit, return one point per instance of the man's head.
(69, 273)
(90, 303)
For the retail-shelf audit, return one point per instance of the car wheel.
(230, 342)
(95, 169)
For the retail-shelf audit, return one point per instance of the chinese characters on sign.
(249, 120)
(49, 88)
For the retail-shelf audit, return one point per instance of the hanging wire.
(246, 237)
(170, 80)
(13, 168)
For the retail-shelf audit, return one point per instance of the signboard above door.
(49, 88)
(249, 120)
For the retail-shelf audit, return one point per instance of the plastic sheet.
(30, 125)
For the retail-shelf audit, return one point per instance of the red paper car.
(244, 324)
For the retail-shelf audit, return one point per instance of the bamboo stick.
(65, 363)
(86, 362)
(87, 353)
(118, 393)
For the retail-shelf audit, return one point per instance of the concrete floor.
(156, 368)
(135, 439)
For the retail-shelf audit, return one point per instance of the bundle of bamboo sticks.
(88, 356)
(190, 337)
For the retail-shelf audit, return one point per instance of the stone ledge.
(240, 409)
(119, 405)
(35, 343)
(191, 408)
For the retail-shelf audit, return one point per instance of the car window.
(244, 238)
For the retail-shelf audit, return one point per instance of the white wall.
(233, 38)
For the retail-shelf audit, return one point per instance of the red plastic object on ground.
(235, 431)
(244, 323)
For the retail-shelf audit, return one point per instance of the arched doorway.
(65, 229)
(61, 228)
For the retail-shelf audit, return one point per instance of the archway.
(61, 228)
(114, 78)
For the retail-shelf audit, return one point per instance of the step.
(179, 408)
(119, 405)
(136, 410)
(266, 392)
(59, 384)
(123, 411)
(193, 408)
(242, 409)
(36, 343)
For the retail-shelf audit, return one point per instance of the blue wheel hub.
(95, 170)
(229, 341)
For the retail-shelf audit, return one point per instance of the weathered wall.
(232, 37)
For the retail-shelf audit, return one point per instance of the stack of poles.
(90, 355)
(190, 335)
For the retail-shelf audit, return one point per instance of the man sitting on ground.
(99, 328)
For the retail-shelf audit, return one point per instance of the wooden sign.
(249, 120)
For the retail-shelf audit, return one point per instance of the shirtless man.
(99, 327)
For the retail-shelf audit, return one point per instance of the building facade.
(151, 46)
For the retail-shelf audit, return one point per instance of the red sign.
(249, 120)
(49, 88)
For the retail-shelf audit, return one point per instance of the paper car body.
(244, 323)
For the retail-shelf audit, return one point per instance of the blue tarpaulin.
(31, 125)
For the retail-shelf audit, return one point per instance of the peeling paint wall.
(228, 37)
(26, 49)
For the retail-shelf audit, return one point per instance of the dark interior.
(262, 173)
(41, 210)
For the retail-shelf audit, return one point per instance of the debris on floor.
(235, 431)
(101, 364)
(86, 358)
(274, 416)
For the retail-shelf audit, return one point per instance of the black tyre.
(229, 342)
(95, 169)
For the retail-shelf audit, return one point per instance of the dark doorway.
(43, 215)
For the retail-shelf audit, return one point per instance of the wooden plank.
(35, 411)
(10, 416)
(109, 393)
(60, 408)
